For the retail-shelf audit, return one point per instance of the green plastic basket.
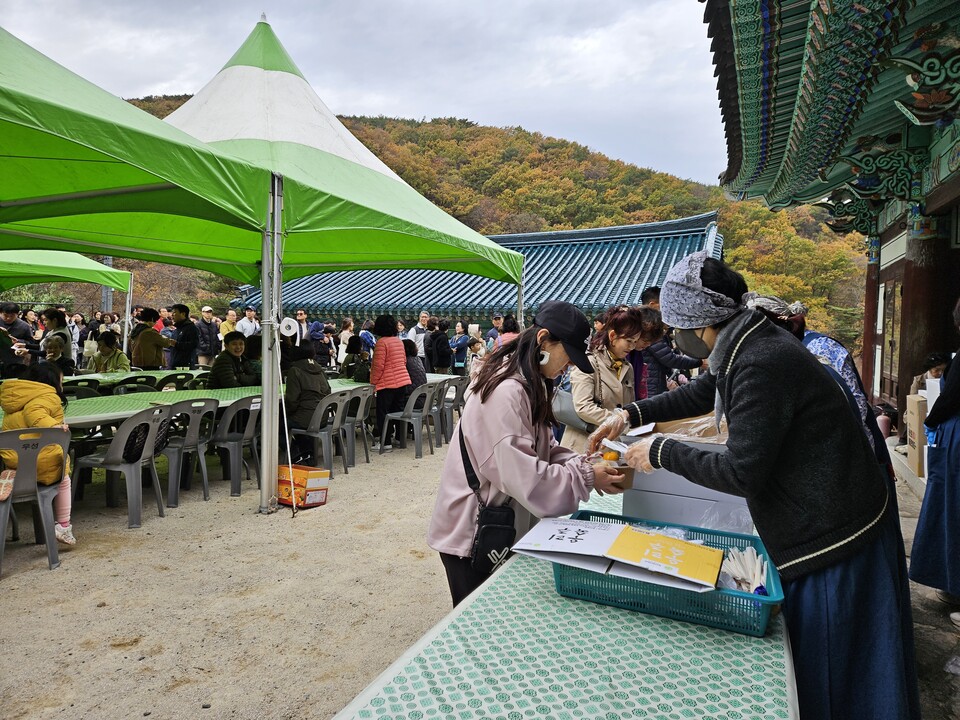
(725, 609)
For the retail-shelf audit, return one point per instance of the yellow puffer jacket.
(28, 404)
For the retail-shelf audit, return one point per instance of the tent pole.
(127, 325)
(520, 297)
(270, 274)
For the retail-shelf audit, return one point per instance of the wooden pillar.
(870, 313)
(929, 291)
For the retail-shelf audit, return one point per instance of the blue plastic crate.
(725, 609)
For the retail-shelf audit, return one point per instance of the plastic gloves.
(611, 429)
(638, 454)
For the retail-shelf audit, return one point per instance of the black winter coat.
(795, 450)
(661, 359)
(209, 343)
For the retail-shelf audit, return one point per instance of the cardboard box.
(310, 486)
(916, 437)
(667, 497)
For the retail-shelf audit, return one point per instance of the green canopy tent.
(26, 267)
(82, 170)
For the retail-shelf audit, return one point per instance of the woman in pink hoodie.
(506, 431)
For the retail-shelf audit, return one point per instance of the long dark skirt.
(935, 559)
(851, 631)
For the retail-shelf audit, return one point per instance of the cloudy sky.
(633, 80)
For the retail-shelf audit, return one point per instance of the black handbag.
(495, 529)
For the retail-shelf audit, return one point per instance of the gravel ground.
(217, 611)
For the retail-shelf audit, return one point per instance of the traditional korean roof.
(834, 94)
(592, 268)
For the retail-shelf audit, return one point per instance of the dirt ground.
(217, 611)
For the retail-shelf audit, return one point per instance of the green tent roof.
(25, 267)
(83, 170)
(344, 209)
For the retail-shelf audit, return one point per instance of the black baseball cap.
(498, 316)
(568, 325)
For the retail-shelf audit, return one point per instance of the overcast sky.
(631, 79)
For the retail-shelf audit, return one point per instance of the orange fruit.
(611, 455)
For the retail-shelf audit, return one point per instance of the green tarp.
(83, 170)
(25, 267)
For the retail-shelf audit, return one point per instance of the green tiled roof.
(803, 85)
(592, 268)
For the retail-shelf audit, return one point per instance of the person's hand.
(637, 455)
(606, 479)
(672, 385)
(64, 426)
(611, 429)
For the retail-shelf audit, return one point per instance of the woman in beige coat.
(610, 386)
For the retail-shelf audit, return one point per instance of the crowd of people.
(828, 518)
(804, 448)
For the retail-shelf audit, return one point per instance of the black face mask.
(689, 343)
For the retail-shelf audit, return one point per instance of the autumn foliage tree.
(512, 180)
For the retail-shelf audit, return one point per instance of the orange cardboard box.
(310, 486)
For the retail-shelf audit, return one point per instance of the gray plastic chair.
(436, 408)
(135, 380)
(178, 380)
(196, 384)
(83, 382)
(450, 405)
(357, 411)
(28, 444)
(79, 392)
(327, 427)
(233, 440)
(413, 416)
(201, 417)
(133, 446)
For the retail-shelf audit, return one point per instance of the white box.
(667, 497)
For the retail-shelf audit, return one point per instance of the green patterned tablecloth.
(516, 650)
(111, 408)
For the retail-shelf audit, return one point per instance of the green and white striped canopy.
(82, 170)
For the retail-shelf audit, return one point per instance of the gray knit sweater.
(795, 451)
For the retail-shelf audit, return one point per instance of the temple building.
(853, 106)
(592, 268)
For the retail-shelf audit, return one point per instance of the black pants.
(461, 577)
(389, 400)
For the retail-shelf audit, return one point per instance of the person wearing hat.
(248, 324)
(815, 490)
(506, 430)
(209, 331)
(494, 332)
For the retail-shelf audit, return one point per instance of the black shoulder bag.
(495, 529)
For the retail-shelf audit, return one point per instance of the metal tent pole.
(520, 296)
(270, 276)
(128, 308)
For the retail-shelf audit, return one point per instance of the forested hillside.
(508, 180)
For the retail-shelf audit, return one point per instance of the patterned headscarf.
(770, 303)
(685, 303)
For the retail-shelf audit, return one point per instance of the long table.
(113, 408)
(517, 649)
